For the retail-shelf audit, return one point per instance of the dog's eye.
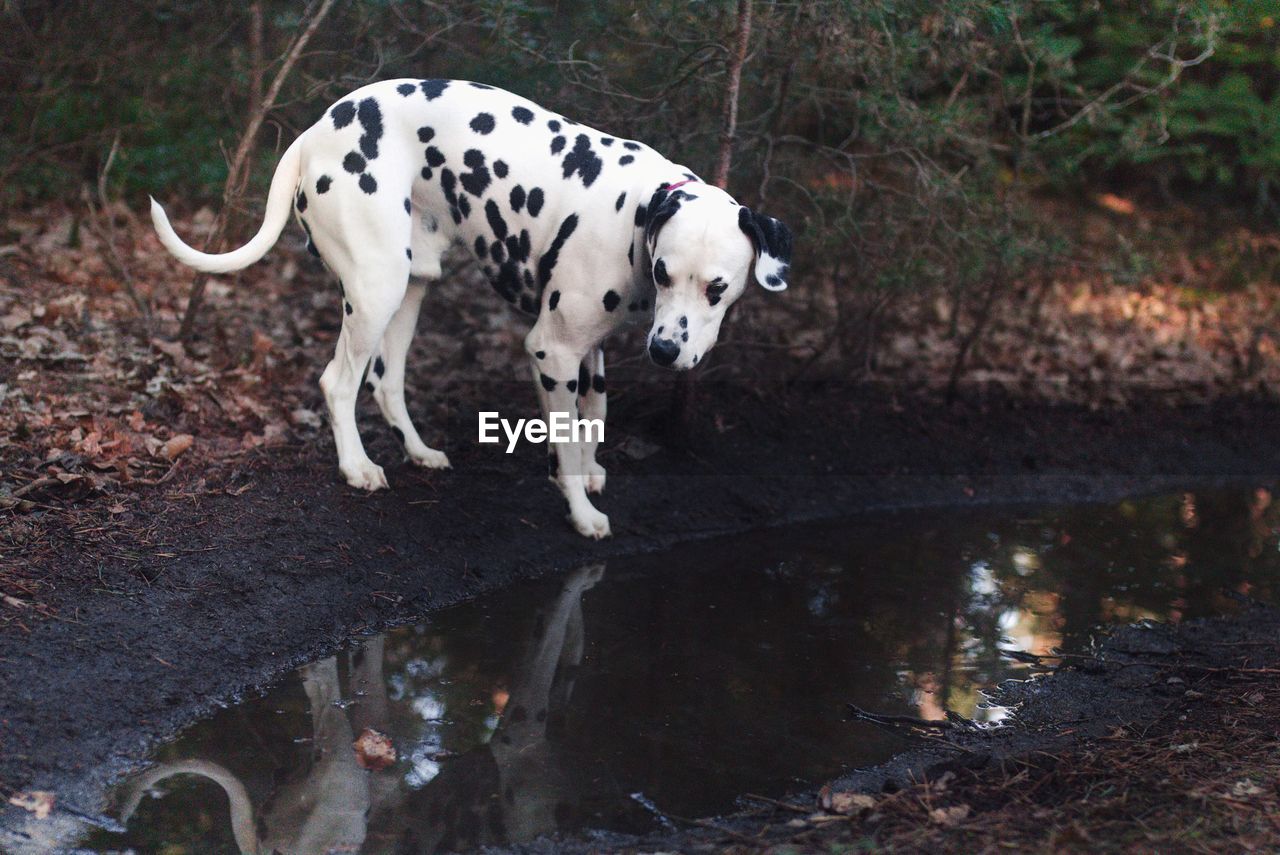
(715, 290)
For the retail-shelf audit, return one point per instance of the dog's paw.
(366, 475)
(430, 459)
(591, 523)
(595, 478)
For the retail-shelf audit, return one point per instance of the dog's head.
(703, 248)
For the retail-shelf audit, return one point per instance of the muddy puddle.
(628, 695)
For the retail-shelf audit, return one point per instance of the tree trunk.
(683, 402)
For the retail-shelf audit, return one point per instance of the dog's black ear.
(662, 206)
(772, 241)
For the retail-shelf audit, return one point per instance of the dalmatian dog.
(584, 230)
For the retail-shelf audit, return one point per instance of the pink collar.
(671, 187)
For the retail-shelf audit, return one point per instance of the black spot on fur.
(631, 146)
(553, 125)
(311, 245)
(353, 163)
(662, 207)
(477, 180)
(582, 160)
(427, 173)
(426, 134)
(625, 159)
(554, 300)
(433, 89)
(535, 201)
(684, 322)
(500, 168)
(557, 145)
(571, 385)
(408, 208)
(370, 115)
(606, 141)
(349, 309)
(408, 253)
(449, 184)
(343, 114)
(483, 123)
(584, 379)
(378, 367)
(523, 115)
(322, 184)
(302, 201)
(517, 198)
(368, 184)
(622, 198)
(464, 205)
(369, 385)
(541, 354)
(611, 300)
(597, 384)
(547, 382)
(641, 212)
(494, 216)
(684, 336)
(498, 252)
(435, 157)
(660, 275)
(548, 261)
(406, 89)
(631, 254)
(528, 304)
(482, 246)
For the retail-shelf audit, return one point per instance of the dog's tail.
(279, 204)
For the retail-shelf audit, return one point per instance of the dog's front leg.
(555, 375)
(592, 405)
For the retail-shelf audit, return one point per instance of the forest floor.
(174, 513)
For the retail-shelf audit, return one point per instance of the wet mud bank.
(218, 593)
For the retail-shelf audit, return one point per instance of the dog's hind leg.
(387, 377)
(375, 290)
(592, 405)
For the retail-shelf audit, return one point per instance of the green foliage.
(901, 139)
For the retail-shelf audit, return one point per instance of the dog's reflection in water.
(512, 788)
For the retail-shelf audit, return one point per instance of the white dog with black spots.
(584, 230)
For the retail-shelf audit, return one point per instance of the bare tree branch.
(237, 174)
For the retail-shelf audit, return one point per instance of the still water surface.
(676, 682)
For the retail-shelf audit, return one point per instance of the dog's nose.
(663, 351)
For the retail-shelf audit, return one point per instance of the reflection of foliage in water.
(724, 667)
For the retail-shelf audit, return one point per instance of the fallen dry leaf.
(844, 803)
(176, 446)
(374, 750)
(847, 804)
(950, 815)
(39, 802)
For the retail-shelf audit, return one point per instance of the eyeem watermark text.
(561, 428)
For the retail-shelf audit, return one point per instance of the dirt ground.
(174, 533)
(199, 594)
